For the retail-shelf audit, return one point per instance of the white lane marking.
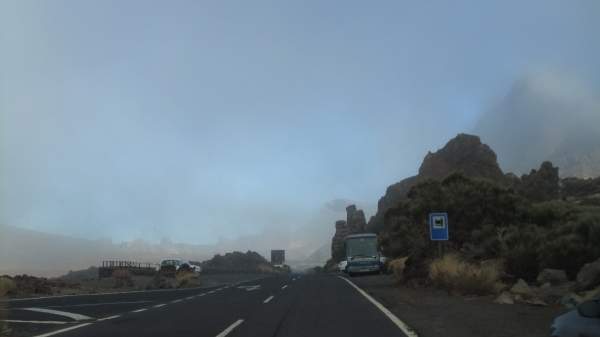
(33, 322)
(211, 292)
(201, 295)
(407, 330)
(140, 310)
(176, 301)
(159, 305)
(114, 293)
(71, 315)
(250, 288)
(230, 328)
(109, 317)
(94, 304)
(189, 297)
(285, 286)
(63, 330)
(268, 299)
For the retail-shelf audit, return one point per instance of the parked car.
(584, 321)
(173, 265)
(342, 266)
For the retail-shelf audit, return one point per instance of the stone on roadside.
(552, 276)
(504, 298)
(589, 276)
(521, 288)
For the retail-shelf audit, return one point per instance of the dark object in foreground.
(583, 321)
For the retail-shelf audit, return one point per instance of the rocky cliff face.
(464, 153)
(355, 223)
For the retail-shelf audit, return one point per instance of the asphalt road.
(316, 305)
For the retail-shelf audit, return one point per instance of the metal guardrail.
(136, 268)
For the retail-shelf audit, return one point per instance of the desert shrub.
(122, 278)
(520, 248)
(397, 266)
(457, 275)
(186, 279)
(7, 286)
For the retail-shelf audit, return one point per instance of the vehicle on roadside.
(342, 266)
(173, 265)
(582, 321)
(362, 255)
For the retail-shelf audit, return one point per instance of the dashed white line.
(408, 331)
(140, 310)
(230, 328)
(176, 301)
(33, 322)
(201, 295)
(189, 297)
(63, 330)
(109, 317)
(268, 299)
(159, 305)
(285, 286)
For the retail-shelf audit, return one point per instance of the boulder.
(505, 298)
(570, 300)
(522, 288)
(552, 276)
(589, 276)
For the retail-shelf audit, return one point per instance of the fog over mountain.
(546, 116)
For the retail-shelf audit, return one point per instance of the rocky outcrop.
(589, 276)
(355, 223)
(541, 184)
(464, 153)
(552, 276)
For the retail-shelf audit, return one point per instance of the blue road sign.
(438, 226)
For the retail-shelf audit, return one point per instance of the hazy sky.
(204, 120)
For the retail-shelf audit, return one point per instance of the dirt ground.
(435, 313)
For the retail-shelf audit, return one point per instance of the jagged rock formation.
(542, 184)
(355, 223)
(464, 153)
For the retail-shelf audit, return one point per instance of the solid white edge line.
(176, 301)
(71, 315)
(268, 299)
(140, 310)
(230, 328)
(33, 322)
(159, 305)
(285, 286)
(63, 330)
(407, 330)
(107, 318)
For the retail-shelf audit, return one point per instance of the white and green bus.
(362, 255)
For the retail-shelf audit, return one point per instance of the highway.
(290, 306)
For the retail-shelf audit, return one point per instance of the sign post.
(438, 229)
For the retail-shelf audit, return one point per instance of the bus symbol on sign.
(438, 226)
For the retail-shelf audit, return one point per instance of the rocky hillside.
(465, 154)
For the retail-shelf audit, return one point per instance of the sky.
(200, 121)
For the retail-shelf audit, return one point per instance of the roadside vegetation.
(456, 275)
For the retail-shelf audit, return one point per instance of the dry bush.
(457, 275)
(122, 278)
(6, 286)
(396, 266)
(187, 279)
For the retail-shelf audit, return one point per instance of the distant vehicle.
(362, 255)
(583, 321)
(174, 265)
